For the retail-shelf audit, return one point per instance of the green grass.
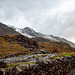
(66, 54)
(59, 55)
(17, 64)
(29, 62)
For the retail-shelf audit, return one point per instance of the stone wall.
(61, 66)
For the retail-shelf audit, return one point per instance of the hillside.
(5, 30)
(29, 32)
(50, 46)
(13, 44)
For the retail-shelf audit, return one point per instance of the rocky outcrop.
(14, 71)
(2, 72)
(22, 40)
(42, 51)
(60, 66)
(53, 67)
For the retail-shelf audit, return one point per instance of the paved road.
(72, 73)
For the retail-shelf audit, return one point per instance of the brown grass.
(50, 46)
(10, 48)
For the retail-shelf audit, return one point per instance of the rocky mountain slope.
(5, 30)
(33, 34)
(16, 44)
(12, 42)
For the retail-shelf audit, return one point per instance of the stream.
(27, 58)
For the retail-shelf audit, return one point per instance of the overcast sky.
(54, 17)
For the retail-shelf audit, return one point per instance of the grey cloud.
(46, 16)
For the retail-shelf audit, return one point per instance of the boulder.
(23, 66)
(2, 72)
(42, 51)
(14, 71)
(31, 66)
(18, 70)
(8, 72)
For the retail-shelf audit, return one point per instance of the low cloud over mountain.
(54, 17)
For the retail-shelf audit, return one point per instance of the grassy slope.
(13, 47)
(10, 48)
(13, 44)
(50, 46)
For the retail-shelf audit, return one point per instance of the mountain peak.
(29, 32)
(27, 28)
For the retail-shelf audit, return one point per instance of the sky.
(52, 17)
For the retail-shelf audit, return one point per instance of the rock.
(14, 71)
(36, 66)
(52, 67)
(42, 51)
(26, 45)
(8, 72)
(30, 49)
(2, 72)
(39, 59)
(18, 70)
(23, 66)
(26, 50)
(33, 47)
(31, 66)
(48, 61)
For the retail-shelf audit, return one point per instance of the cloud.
(54, 17)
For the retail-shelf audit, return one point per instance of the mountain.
(29, 32)
(16, 44)
(64, 40)
(13, 42)
(5, 30)
(33, 34)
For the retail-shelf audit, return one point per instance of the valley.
(31, 49)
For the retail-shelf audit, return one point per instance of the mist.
(52, 17)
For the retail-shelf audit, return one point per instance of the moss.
(57, 57)
(66, 54)
(29, 63)
(17, 64)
